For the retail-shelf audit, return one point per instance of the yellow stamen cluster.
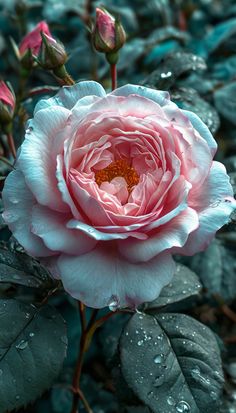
(115, 169)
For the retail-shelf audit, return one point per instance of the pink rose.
(7, 102)
(7, 96)
(108, 33)
(107, 187)
(33, 39)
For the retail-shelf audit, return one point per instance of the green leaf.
(217, 270)
(172, 67)
(184, 284)
(172, 363)
(33, 345)
(20, 268)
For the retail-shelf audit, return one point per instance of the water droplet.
(166, 75)
(150, 395)
(158, 358)
(17, 397)
(22, 345)
(214, 203)
(126, 333)
(195, 371)
(113, 303)
(31, 334)
(213, 395)
(170, 401)
(64, 339)
(159, 380)
(196, 374)
(182, 407)
(140, 342)
(27, 315)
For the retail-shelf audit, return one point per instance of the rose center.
(119, 168)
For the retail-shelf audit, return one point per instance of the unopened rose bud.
(33, 40)
(52, 53)
(7, 103)
(108, 34)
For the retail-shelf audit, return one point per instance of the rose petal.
(214, 204)
(18, 203)
(68, 96)
(173, 234)
(51, 227)
(102, 276)
(36, 160)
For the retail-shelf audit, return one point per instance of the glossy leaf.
(172, 363)
(32, 349)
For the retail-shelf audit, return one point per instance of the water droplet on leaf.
(182, 407)
(22, 345)
(158, 358)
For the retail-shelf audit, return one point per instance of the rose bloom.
(107, 187)
(33, 39)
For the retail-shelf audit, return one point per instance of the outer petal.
(214, 205)
(37, 158)
(103, 276)
(158, 96)
(18, 203)
(202, 130)
(68, 96)
(174, 234)
(51, 227)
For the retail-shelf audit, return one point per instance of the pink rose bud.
(108, 33)
(7, 102)
(33, 40)
(52, 53)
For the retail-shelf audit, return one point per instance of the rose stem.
(79, 364)
(86, 336)
(11, 144)
(113, 76)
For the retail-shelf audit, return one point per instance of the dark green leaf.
(20, 268)
(217, 269)
(32, 349)
(172, 363)
(184, 284)
(189, 99)
(174, 66)
(225, 101)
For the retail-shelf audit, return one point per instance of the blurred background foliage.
(187, 47)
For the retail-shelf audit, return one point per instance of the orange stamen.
(115, 169)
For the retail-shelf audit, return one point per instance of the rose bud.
(108, 33)
(52, 53)
(33, 40)
(7, 102)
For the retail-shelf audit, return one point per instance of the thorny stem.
(85, 340)
(113, 76)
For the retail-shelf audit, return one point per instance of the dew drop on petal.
(113, 303)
